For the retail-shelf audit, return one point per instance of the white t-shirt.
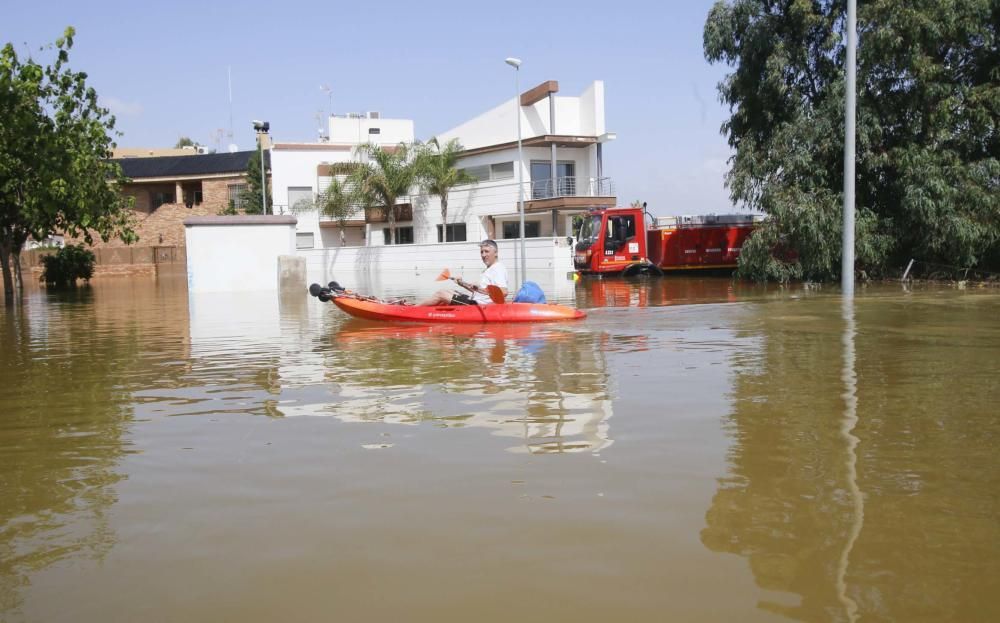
(495, 275)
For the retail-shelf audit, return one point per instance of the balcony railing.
(573, 187)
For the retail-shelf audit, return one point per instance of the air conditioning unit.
(374, 114)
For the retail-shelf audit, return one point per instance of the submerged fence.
(117, 258)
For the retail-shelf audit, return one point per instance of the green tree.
(184, 142)
(68, 264)
(251, 198)
(383, 176)
(928, 175)
(55, 172)
(338, 201)
(437, 173)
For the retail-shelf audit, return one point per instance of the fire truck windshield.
(590, 229)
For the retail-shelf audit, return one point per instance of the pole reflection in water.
(861, 476)
(850, 379)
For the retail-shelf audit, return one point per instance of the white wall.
(356, 131)
(297, 167)
(236, 253)
(413, 267)
(581, 115)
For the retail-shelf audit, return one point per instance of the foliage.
(68, 264)
(928, 102)
(55, 171)
(382, 177)
(437, 173)
(250, 197)
(184, 141)
(339, 201)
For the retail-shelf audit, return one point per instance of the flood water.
(694, 450)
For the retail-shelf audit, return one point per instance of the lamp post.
(516, 64)
(847, 252)
(262, 127)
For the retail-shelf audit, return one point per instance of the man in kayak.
(494, 275)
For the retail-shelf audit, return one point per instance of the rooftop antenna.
(232, 146)
(319, 125)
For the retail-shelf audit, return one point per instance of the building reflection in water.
(543, 385)
(67, 363)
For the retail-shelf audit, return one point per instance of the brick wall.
(164, 226)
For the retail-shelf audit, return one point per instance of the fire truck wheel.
(642, 269)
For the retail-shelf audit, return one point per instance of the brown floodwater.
(695, 450)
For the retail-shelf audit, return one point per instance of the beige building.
(168, 189)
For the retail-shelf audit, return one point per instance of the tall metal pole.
(847, 261)
(263, 176)
(520, 171)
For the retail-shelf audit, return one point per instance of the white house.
(301, 171)
(561, 165)
(560, 173)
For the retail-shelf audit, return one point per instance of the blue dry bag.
(530, 293)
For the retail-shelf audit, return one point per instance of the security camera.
(261, 126)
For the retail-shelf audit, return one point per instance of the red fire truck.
(618, 240)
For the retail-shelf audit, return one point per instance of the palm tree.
(438, 174)
(338, 203)
(386, 176)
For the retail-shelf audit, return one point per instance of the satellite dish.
(233, 148)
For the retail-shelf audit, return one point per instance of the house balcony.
(570, 193)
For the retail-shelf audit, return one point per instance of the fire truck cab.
(611, 240)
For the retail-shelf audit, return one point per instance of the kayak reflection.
(545, 385)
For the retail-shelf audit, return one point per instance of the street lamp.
(847, 242)
(516, 64)
(262, 127)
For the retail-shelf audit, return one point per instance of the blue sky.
(162, 68)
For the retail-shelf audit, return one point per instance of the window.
(502, 171)
(192, 196)
(300, 198)
(455, 233)
(480, 173)
(541, 179)
(488, 172)
(620, 228)
(304, 240)
(159, 198)
(532, 229)
(374, 130)
(236, 192)
(404, 235)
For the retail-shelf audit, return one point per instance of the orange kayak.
(507, 312)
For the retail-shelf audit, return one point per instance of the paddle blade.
(496, 294)
(444, 276)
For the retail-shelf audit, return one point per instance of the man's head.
(488, 252)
